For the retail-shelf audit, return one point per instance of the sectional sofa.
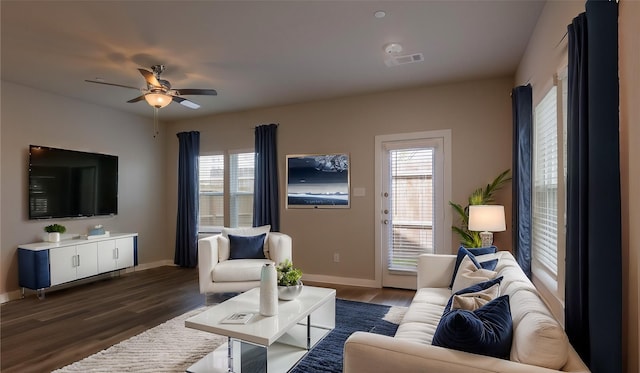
(535, 342)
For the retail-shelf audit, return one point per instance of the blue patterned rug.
(326, 356)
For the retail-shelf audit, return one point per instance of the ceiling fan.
(159, 93)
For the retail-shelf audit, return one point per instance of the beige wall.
(31, 116)
(478, 113)
(629, 34)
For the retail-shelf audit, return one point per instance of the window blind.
(211, 181)
(241, 175)
(545, 189)
(412, 207)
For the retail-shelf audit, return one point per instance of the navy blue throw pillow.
(482, 250)
(485, 331)
(251, 247)
(462, 252)
(472, 289)
(489, 264)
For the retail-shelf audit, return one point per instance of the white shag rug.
(169, 347)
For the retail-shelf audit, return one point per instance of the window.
(412, 196)
(241, 174)
(549, 180)
(211, 192)
(235, 208)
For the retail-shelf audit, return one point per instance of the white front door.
(411, 203)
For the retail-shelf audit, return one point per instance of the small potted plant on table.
(54, 231)
(289, 283)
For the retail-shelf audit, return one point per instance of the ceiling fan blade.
(139, 98)
(150, 78)
(191, 91)
(113, 84)
(185, 102)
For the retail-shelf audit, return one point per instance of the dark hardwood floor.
(73, 323)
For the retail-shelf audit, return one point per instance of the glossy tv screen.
(68, 183)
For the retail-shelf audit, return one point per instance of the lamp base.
(487, 239)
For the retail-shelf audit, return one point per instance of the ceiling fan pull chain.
(156, 131)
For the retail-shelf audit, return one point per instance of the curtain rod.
(561, 40)
(557, 45)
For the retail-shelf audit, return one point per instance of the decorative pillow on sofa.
(241, 247)
(462, 253)
(248, 232)
(482, 250)
(473, 301)
(486, 331)
(469, 274)
(489, 264)
(473, 289)
(485, 256)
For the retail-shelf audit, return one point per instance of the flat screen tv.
(68, 183)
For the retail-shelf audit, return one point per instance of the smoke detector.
(393, 48)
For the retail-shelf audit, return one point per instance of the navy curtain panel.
(266, 201)
(593, 287)
(186, 254)
(521, 102)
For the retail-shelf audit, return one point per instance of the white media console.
(45, 264)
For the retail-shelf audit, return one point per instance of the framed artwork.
(318, 181)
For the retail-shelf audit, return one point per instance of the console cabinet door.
(87, 264)
(124, 252)
(62, 264)
(106, 256)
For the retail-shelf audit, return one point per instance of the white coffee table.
(266, 344)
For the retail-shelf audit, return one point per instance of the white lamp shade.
(486, 218)
(158, 100)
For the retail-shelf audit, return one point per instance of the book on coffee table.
(237, 318)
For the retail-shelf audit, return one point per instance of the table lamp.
(486, 219)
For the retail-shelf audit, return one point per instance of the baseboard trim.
(12, 295)
(159, 263)
(350, 281)
(17, 294)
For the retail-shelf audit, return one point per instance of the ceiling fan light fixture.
(157, 100)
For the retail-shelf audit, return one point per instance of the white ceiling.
(256, 53)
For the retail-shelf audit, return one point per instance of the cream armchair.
(219, 274)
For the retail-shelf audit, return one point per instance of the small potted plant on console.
(54, 231)
(289, 283)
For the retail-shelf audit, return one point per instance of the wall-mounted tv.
(68, 183)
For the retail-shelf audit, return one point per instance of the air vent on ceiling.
(403, 60)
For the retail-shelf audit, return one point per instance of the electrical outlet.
(336, 257)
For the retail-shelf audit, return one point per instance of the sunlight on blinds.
(544, 240)
(211, 181)
(412, 206)
(241, 174)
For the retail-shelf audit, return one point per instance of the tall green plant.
(480, 196)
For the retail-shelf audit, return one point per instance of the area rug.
(326, 356)
(171, 347)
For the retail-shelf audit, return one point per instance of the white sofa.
(218, 274)
(538, 340)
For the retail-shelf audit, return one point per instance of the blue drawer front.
(135, 250)
(33, 269)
